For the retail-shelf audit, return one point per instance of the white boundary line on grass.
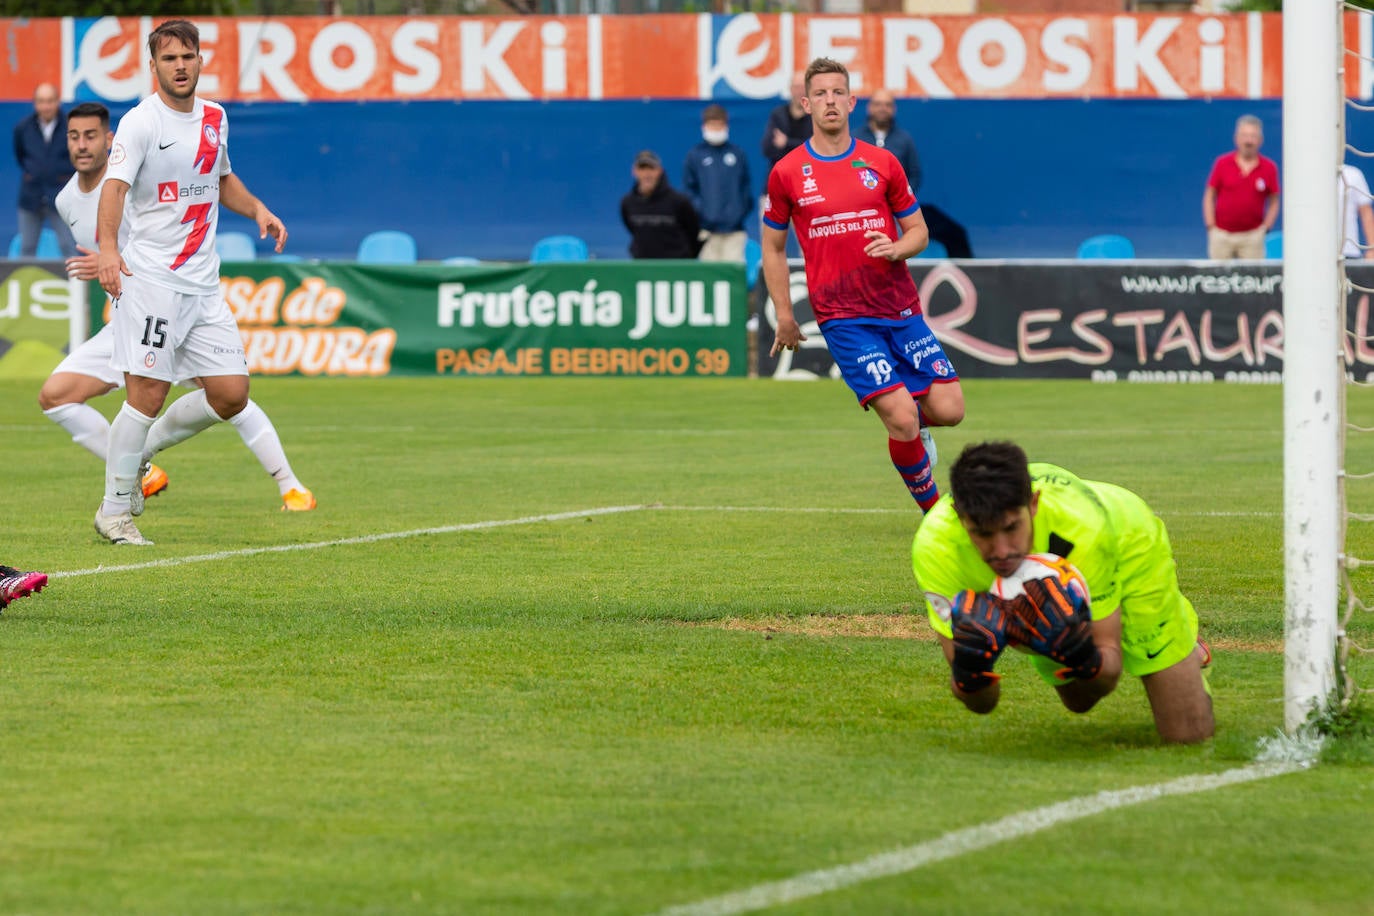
(1013, 826)
(340, 542)
(482, 526)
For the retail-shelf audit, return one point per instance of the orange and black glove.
(1056, 622)
(979, 625)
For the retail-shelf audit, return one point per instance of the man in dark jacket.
(40, 150)
(881, 129)
(716, 177)
(662, 222)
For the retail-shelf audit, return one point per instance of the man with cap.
(662, 221)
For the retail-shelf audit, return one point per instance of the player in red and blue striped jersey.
(847, 199)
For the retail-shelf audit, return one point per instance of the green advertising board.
(644, 318)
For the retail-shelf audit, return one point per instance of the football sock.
(86, 425)
(262, 440)
(188, 415)
(913, 464)
(128, 432)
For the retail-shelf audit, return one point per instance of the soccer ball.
(1042, 566)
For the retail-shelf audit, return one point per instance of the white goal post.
(1313, 367)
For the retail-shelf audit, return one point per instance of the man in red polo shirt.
(1241, 202)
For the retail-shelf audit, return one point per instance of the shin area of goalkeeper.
(1002, 508)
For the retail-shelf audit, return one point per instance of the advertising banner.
(691, 56)
(640, 318)
(37, 305)
(1141, 321)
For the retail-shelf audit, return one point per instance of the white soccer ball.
(1042, 566)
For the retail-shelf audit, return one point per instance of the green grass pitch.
(549, 716)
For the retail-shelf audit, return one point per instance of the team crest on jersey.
(150, 359)
(211, 135)
(868, 178)
(167, 192)
(941, 604)
(941, 367)
(806, 170)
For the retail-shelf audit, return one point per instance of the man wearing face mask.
(716, 178)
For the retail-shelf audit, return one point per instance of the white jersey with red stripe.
(78, 209)
(173, 162)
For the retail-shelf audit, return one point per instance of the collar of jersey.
(845, 155)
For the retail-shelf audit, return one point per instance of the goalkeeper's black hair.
(988, 480)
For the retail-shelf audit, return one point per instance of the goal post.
(1313, 366)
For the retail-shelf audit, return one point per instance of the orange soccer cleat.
(301, 500)
(154, 481)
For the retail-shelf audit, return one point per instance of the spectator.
(40, 150)
(881, 130)
(1357, 214)
(789, 126)
(661, 221)
(716, 177)
(1241, 202)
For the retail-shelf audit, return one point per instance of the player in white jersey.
(1357, 212)
(86, 372)
(171, 161)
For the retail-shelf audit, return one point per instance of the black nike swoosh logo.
(1160, 649)
(165, 145)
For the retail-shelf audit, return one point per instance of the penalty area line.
(342, 542)
(970, 839)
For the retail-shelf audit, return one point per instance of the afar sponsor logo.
(167, 192)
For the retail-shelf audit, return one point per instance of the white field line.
(340, 542)
(501, 523)
(1014, 826)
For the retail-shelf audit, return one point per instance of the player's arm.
(1366, 212)
(777, 277)
(913, 240)
(108, 216)
(1082, 694)
(234, 194)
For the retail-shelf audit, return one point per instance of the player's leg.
(63, 400)
(30, 225)
(1180, 701)
(145, 332)
(860, 351)
(16, 583)
(260, 436)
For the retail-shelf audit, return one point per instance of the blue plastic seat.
(753, 260)
(560, 248)
(1273, 245)
(235, 246)
(48, 249)
(387, 246)
(1106, 247)
(934, 250)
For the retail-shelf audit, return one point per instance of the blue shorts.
(876, 355)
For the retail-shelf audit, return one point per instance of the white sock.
(188, 415)
(128, 432)
(86, 425)
(262, 440)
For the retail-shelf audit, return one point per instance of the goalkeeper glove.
(1051, 621)
(980, 634)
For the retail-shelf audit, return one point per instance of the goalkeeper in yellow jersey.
(1000, 509)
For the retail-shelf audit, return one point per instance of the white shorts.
(164, 334)
(92, 359)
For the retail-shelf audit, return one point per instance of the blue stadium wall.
(485, 179)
